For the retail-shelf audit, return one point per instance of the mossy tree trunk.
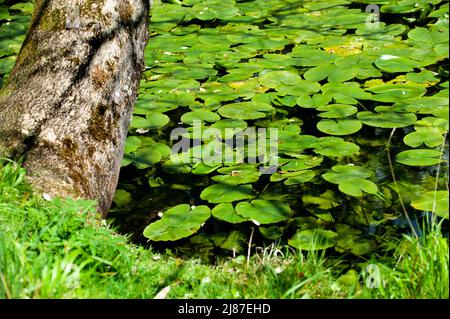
(68, 102)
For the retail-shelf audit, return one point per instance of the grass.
(61, 249)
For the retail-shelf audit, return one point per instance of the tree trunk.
(68, 102)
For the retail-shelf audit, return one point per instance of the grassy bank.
(60, 249)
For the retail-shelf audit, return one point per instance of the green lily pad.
(236, 175)
(296, 177)
(387, 119)
(146, 157)
(223, 193)
(325, 201)
(276, 78)
(350, 239)
(436, 202)
(337, 110)
(264, 211)
(132, 143)
(352, 180)
(419, 157)
(271, 232)
(227, 213)
(430, 137)
(313, 239)
(302, 162)
(292, 142)
(122, 198)
(393, 64)
(339, 127)
(345, 93)
(335, 147)
(397, 92)
(200, 115)
(178, 222)
(153, 120)
(245, 110)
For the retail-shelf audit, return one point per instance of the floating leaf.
(178, 222)
(351, 180)
(313, 239)
(245, 110)
(337, 110)
(419, 157)
(430, 137)
(122, 198)
(236, 175)
(387, 119)
(339, 127)
(436, 202)
(227, 213)
(223, 193)
(335, 147)
(393, 64)
(200, 115)
(264, 211)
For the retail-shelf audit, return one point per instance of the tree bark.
(67, 104)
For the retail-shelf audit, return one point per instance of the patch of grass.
(62, 249)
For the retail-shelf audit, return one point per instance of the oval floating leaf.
(223, 193)
(245, 110)
(227, 213)
(436, 202)
(178, 222)
(339, 127)
(419, 157)
(352, 180)
(264, 211)
(387, 119)
(313, 239)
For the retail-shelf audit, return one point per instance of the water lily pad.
(436, 202)
(313, 239)
(393, 64)
(345, 93)
(335, 147)
(122, 198)
(325, 201)
(178, 222)
(419, 157)
(337, 110)
(199, 115)
(223, 193)
(245, 110)
(294, 142)
(146, 157)
(276, 78)
(264, 211)
(227, 213)
(351, 240)
(397, 92)
(302, 162)
(339, 127)
(352, 180)
(153, 120)
(387, 119)
(430, 137)
(132, 143)
(236, 175)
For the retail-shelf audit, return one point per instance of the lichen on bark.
(68, 101)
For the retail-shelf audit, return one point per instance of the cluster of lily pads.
(334, 86)
(346, 95)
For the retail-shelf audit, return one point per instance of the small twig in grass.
(391, 166)
(250, 247)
